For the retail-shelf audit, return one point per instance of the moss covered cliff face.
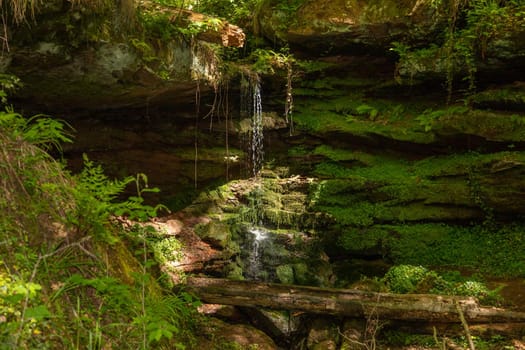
(419, 150)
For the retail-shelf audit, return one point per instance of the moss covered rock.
(285, 274)
(336, 26)
(216, 233)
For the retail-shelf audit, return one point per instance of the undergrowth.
(416, 279)
(67, 277)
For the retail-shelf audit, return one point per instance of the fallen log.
(351, 303)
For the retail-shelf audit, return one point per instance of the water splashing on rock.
(258, 239)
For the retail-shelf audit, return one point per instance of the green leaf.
(38, 313)
(155, 335)
(13, 299)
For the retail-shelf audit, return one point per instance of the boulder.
(216, 233)
(223, 335)
(280, 325)
(323, 334)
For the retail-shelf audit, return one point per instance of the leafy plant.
(8, 83)
(97, 200)
(40, 130)
(429, 117)
(404, 278)
(240, 12)
(22, 313)
(266, 61)
(367, 110)
(418, 279)
(158, 26)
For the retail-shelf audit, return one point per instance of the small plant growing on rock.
(418, 279)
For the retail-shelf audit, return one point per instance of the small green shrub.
(429, 117)
(367, 110)
(40, 130)
(166, 250)
(23, 314)
(404, 278)
(418, 279)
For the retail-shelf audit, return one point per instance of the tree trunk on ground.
(351, 303)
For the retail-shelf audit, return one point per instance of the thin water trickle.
(257, 237)
(257, 129)
(251, 107)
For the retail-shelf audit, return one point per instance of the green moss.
(342, 106)
(381, 206)
(389, 192)
(355, 239)
(278, 203)
(298, 151)
(503, 127)
(511, 96)
(330, 191)
(123, 265)
(318, 120)
(499, 251)
(360, 214)
(285, 274)
(467, 163)
(387, 171)
(432, 180)
(344, 155)
(234, 271)
(217, 233)
(332, 170)
(378, 169)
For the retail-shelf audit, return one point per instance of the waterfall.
(257, 130)
(257, 238)
(251, 107)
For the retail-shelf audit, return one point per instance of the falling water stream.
(257, 151)
(257, 236)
